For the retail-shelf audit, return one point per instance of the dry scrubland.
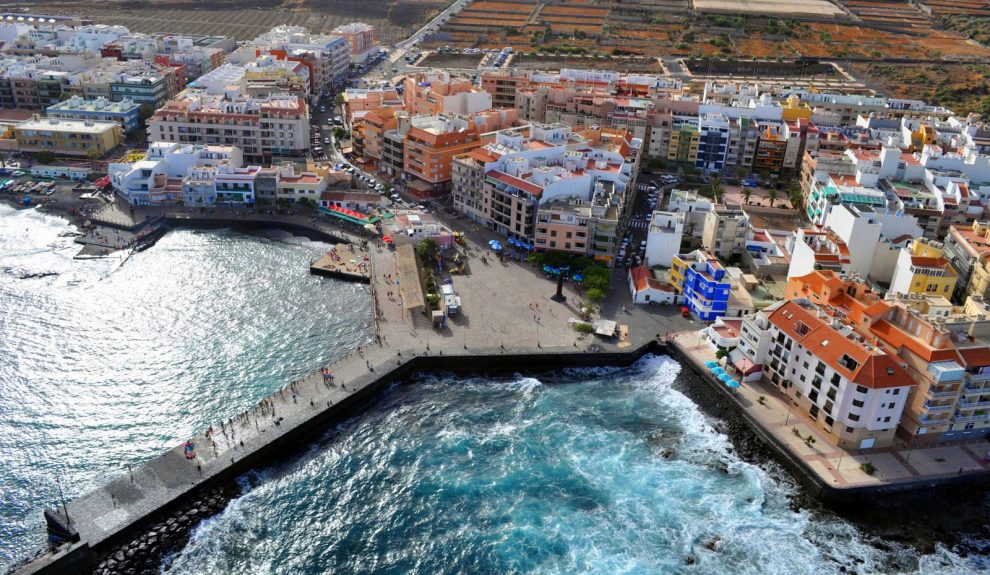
(245, 19)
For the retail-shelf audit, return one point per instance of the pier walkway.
(507, 322)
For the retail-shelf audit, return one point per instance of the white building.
(647, 289)
(694, 206)
(871, 232)
(813, 248)
(158, 178)
(663, 239)
(854, 391)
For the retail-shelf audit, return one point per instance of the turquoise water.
(523, 475)
(106, 363)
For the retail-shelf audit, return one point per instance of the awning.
(743, 364)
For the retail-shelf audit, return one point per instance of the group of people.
(327, 376)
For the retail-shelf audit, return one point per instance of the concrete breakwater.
(126, 526)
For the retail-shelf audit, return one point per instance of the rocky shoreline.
(949, 516)
(144, 553)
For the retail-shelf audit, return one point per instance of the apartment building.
(263, 128)
(430, 145)
(943, 349)
(437, 92)
(158, 178)
(328, 56)
(361, 41)
(148, 84)
(359, 101)
(664, 237)
(923, 269)
(725, 229)
(854, 391)
(814, 248)
(127, 113)
(701, 284)
(72, 138)
(968, 250)
(559, 189)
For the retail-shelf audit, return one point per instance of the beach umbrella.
(718, 371)
(577, 277)
(547, 268)
(710, 364)
(387, 239)
(732, 384)
(371, 228)
(725, 377)
(511, 241)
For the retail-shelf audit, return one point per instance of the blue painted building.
(127, 113)
(702, 284)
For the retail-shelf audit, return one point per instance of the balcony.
(977, 376)
(933, 422)
(935, 392)
(961, 419)
(975, 389)
(937, 408)
(972, 404)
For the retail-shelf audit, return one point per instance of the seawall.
(148, 511)
(837, 497)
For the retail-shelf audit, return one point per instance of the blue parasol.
(711, 364)
(732, 384)
(725, 377)
(577, 277)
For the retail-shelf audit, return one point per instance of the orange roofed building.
(854, 390)
(946, 357)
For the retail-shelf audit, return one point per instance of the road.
(433, 25)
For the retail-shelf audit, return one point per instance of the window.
(853, 417)
(813, 412)
(813, 395)
(849, 429)
(861, 389)
(857, 403)
(896, 391)
(886, 419)
(829, 421)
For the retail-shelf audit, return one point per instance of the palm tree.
(746, 194)
(717, 187)
(795, 195)
(772, 196)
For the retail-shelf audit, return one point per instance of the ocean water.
(589, 472)
(106, 363)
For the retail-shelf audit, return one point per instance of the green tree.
(718, 189)
(427, 250)
(93, 154)
(338, 100)
(721, 353)
(795, 195)
(340, 133)
(746, 194)
(772, 196)
(596, 295)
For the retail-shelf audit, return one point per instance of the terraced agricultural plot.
(969, 7)
(444, 60)
(888, 13)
